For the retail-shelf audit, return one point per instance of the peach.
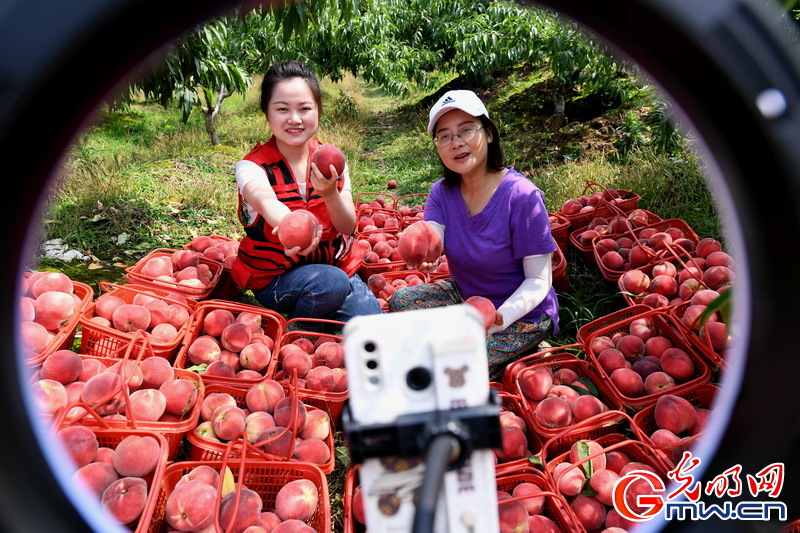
(678, 364)
(91, 367)
(535, 383)
(340, 374)
(330, 354)
(284, 412)
(250, 318)
(514, 444)
(178, 315)
(205, 430)
(564, 376)
(657, 382)
(674, 413)
(584, 448)
(312, 450)
(184, 258)
(191, 506)
(50, 281)
(533, 504)
(147, 405)
(716, 333)
(664, 438)
(553, 412)
(485, 308)
(204, 473)
(130, 372)
(164, 333)
(563, 391)
(255, 356)
(612, 260)
(635, 281)
(719, 258)
(27, 309)
(216, 320)
(611, 359)
(586, 406)
(155, 372)
(105, 387)
(297, 362)
(664, 284)
(203, 349)
(297, 499)
(321, 378)
(645, 367)
(602, 482)
(236, 336)
(256, 423)
(298, 229)
(628, 382)
(571, 207)
(130, 317)
(542, 524)
(655, 300)
(157, 266)
(716, 277)
(54, 309)
(106, 304)
(240, 509)
(656, 345)
(707, 246)
(327, 155)
(228, 421)
(80, 444)
(276, 441)
(137, 455)
(692, 316)
(642, 328)
(616, 460)
(180, 395)
(64, 366)
(125, 499)
(95, 477)
(631, 346)
(589, 511)
(212, 401)
(220, 369)
(293, 526)
(420, 243)
(512, 515)
(569, 479)
(264, 396)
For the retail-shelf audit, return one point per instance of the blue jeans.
(318, 291)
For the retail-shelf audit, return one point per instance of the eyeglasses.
(465, 134)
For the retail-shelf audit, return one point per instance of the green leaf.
(583, 452)
(342, 455)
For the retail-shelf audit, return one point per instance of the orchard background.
(155, 168)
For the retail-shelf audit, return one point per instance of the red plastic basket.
(559, 228)
(201, 449)
(111, 438)
(792, 527)
(716, 358)
(586, 250)
(560, 279)
(226, 288)
(264, 477)
(134, 275)
(644, 423)
(556, 358)
(664, 325)
(627, 202)
(390, 277)
(349, 522)
(511, 402)
(65, 335)
(670, 253)
(367, 269)
(272, 323)
(331, 402)
(415, 207)
(636, 450)
(171, 429)
(590, 328)
(555, 508)
(364, 199)
(385, 212)
(103, 341)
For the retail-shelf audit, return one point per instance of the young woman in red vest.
(278, 177)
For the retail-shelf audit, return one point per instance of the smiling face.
(463, 157)
(292, 113)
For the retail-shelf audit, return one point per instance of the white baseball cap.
(464, 100)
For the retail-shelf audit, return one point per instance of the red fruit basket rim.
(103, 341)
(134, 275)
(207, 450)
(264, 477)
(666, 327)
(273, 327)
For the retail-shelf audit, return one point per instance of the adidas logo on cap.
(448, 100)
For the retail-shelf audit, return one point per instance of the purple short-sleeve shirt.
(485, 251)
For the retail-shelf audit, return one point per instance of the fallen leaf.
(95, 266)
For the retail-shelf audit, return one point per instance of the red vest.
(261, 256)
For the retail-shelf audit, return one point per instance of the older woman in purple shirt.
(496, 233)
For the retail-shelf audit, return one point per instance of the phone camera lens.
(372, 364)
(418, 378)
(369, 346)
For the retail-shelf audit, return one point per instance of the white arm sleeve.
(533, 289)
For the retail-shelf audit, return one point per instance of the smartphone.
(420, 362)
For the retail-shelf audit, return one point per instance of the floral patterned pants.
(502, 348)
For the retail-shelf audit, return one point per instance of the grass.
(140, 179)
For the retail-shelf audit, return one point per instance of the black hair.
(286, 70)
(495, 158)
